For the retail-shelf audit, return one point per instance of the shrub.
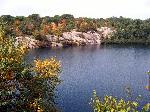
(112, 104)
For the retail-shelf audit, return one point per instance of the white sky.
(83, 8)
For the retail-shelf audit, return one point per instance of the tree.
(55, 19)
(26, 87)
(67, 16)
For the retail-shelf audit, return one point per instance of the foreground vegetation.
(127, 30)
(25, 88)
(112, 104)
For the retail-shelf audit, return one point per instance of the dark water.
(107, 69)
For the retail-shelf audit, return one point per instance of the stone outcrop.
(106, 32)
(72, 38)
(28, 41)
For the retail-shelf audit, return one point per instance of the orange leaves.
(9, 75)
(58, 29)
(47, 68)
(46, 29)
(53, 26)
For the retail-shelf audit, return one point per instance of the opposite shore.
(66, 30)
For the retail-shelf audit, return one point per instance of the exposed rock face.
(28, 41)
(105, 32)
(72, 38)
(80, 38)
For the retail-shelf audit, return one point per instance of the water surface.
(108, 69)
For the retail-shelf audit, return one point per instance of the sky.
(136, 9)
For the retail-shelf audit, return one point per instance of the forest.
(127, 30)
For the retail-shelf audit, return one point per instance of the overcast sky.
(83, 8)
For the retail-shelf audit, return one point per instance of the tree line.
(127, 29)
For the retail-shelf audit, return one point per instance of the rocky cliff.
(72, 38)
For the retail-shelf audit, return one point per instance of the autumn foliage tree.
(25, 87)
(85, 25)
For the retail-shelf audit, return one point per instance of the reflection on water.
(148, 86)
(108, 69)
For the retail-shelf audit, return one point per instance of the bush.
(112, 104)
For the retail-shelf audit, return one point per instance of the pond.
(108, 69)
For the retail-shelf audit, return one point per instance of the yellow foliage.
(112, 104)
(10, 56)
(35, 106)
(47, 68)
